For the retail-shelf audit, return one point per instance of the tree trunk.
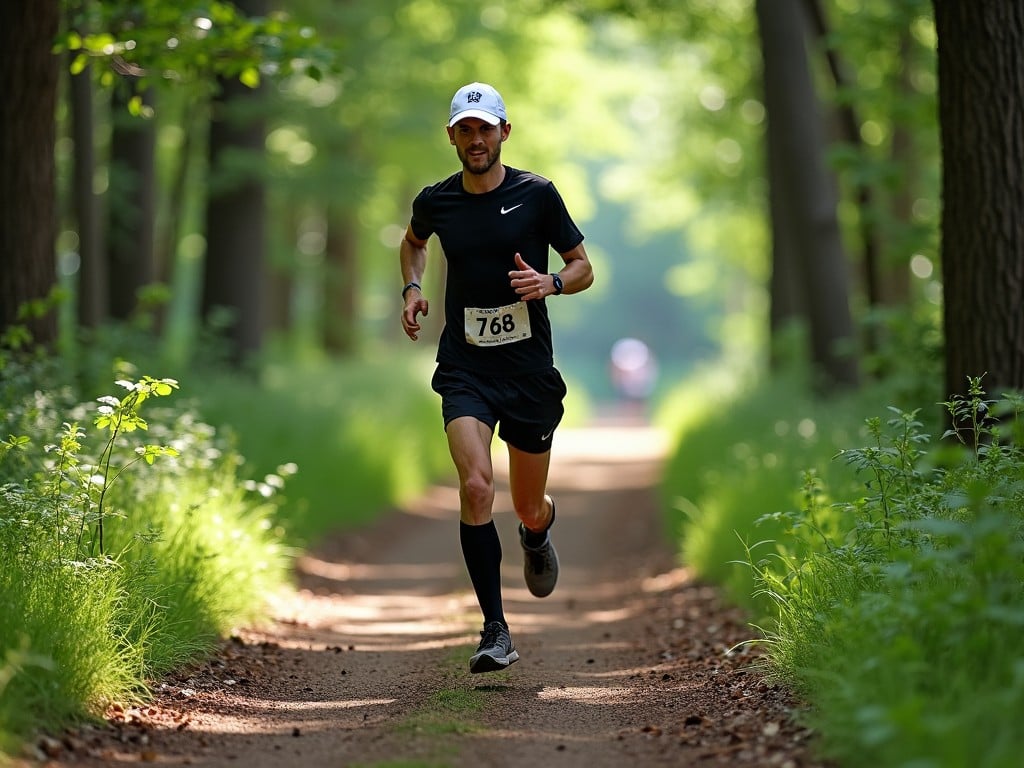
(234, 266)
(894, 283)
(849, 126)
(132, 196)
(795, 129)
(92, 271)
(981, 124)
(28, 81)
(787, 308)
(341, 311)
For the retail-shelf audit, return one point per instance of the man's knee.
(478, 490)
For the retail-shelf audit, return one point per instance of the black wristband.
(408, 286)
(556, 282)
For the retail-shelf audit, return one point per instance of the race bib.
(491, 326)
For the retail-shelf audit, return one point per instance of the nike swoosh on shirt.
(505, 210)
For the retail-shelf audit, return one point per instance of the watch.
(557, 282)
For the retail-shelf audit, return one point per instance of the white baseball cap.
(477, 100)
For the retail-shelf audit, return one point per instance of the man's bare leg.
(528, 478)
(469, 442)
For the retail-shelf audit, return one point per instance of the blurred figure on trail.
(634, 373)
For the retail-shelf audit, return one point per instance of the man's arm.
(412, 254)
(577, 274)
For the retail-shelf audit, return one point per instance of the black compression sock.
(481, 549)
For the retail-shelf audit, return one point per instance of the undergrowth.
(901, 625)
(742, 456)
(120, 557)
(365, 435)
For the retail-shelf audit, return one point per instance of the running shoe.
(495, 651)
(540, 562)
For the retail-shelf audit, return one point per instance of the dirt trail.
(626, 663)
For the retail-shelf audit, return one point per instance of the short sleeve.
(562, 232)
(421, 221)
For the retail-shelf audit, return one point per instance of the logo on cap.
(474, 97)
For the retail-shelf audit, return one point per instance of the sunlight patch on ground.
(663, 582)
(608, 616)
(226, 724)
(583, 457)
(396, 629)
(408, 622)
(611, 444)
(439, 502)
(359, 571)
(588, 694)
(320, 609)
(582, 476)
(597, 648)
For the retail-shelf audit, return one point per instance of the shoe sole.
(487, 663)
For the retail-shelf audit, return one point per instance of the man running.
(495, 365)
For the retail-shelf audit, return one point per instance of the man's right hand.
(414, 305)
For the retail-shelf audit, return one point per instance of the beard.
(479, 166)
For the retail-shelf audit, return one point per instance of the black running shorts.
(526, 408)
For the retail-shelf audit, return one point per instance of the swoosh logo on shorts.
(505, 210)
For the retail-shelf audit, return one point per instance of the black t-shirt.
(488, 329)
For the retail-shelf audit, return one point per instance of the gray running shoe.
(495, 651)
(540, 563)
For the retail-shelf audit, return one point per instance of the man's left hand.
(529, 283)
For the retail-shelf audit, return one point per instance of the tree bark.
(787, 308)
(28, 81)
(894, 268)
(340, 295)
(92, 268)
(981, 122)
(234, 268)
(132, 261)
(807, 208)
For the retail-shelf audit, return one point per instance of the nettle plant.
(74, 487)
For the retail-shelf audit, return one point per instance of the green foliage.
(902, 627)
(152, 40)
(746, 453)
(110, 576)
(362, 435)
(894, 601)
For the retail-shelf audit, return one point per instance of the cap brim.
(487, 117)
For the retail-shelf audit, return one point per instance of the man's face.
(478, 143)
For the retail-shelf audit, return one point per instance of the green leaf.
(79, 64)
(250, 77)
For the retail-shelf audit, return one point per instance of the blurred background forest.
(271, 210)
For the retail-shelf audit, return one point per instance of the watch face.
(557, 282)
